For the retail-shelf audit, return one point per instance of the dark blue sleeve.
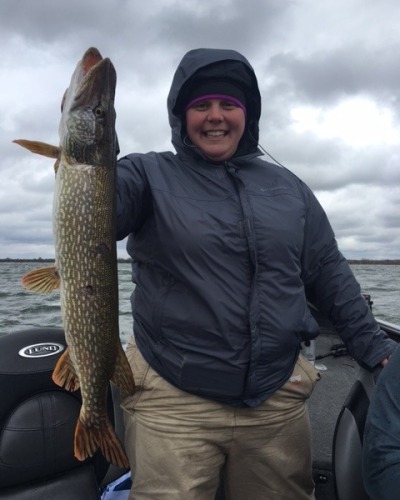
(133, 200)
(332, 287)
(381, 451)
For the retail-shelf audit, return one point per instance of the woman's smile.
(215, 126)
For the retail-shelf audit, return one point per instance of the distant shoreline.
(40, 260)
(384, 262)
(381, 262)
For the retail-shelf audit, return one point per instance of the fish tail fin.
(123, 376)
(43, 280)
(112, 449)
(64, 373)
(86, 441)
(89, 439)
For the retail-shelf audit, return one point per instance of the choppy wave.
(20, 309)
(382, 282)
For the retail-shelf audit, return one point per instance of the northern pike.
(85, 270)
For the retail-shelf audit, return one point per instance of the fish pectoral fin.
(39, 148)
(44, 280)
(123, 376)
(64, 373)
(88, 439)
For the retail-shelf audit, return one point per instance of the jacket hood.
(214, 64)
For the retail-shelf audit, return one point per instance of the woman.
(227, 249)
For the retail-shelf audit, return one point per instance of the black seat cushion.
(76, 484)
(38, 418)
(37, 438)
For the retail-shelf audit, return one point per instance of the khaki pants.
(178, 443)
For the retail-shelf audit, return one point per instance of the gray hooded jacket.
(226, 256)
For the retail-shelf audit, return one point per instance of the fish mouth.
(99, 79)
(90, 58)
(93, 76)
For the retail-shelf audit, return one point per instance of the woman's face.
(215, 126)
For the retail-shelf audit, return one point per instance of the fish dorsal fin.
(43, 280)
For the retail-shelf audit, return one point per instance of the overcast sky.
(328, 73)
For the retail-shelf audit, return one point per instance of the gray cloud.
(327, 76)
(313, 54)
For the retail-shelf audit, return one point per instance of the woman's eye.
(205, 105)
(201, 106)
(229, 105)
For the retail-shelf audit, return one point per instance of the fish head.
(87, 126)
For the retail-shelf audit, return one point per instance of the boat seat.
(348, 438)
(37, 424)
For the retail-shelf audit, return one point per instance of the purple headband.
(201, 98)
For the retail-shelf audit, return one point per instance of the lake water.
(20, 309)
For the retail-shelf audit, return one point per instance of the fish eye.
(99, 112)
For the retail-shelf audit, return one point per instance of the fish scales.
(85, 246)
(89, 280)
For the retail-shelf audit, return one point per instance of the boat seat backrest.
(37, 423)
(348, 439)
